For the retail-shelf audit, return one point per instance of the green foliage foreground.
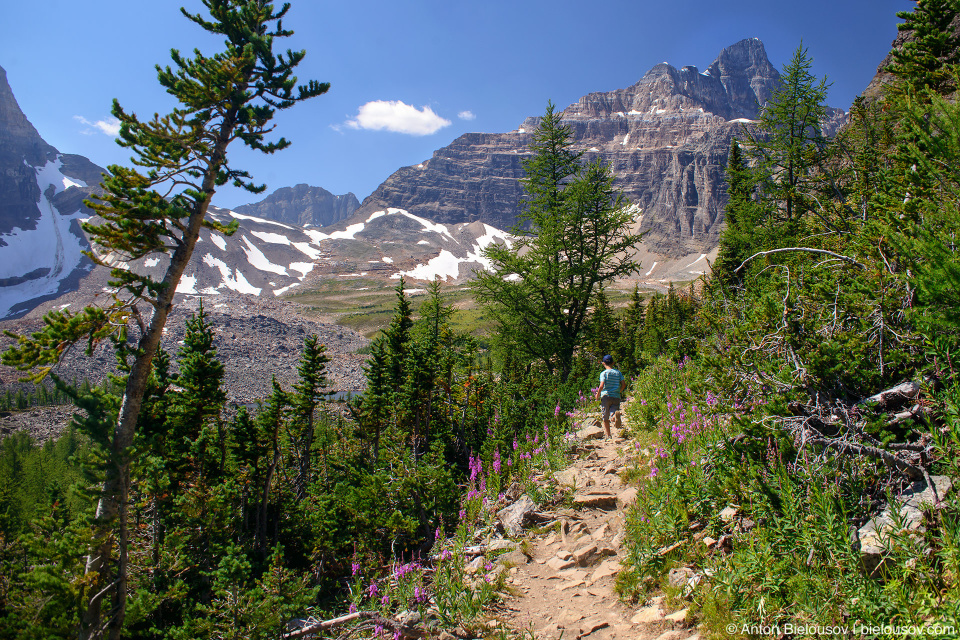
(758, 460)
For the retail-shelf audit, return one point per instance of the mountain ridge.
(666, 138)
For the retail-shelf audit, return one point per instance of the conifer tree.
(574, 229)
(397, 336)
(741, 234)
(788, 145)
(926, 57)
(309, 393)
(230, 95)
(372, 409)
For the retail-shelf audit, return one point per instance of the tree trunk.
(113, 496)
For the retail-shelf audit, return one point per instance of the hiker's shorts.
(609, 405)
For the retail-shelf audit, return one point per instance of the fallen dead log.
(911, 471)
(405, 631)
(902, 392)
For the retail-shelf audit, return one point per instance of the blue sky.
(477, 66)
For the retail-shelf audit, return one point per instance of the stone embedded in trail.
(596, 500)
(605, 570)
(677, 616)
(500, 544)
(517, 515)
(589, 626)
(566, 478)
(514, 558)
(585, 554)
(590, 433)
(558, 564)
(627, 498)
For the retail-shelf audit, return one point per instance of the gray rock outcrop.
(666, 138)
(303, 205)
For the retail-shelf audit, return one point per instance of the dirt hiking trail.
(563, 584)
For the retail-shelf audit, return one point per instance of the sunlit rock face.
(666, 138)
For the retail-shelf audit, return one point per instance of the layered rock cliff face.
(303, 205)
(666, 138)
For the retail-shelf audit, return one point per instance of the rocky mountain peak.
(303, 205)
(17, 135)
(666, 138)
(747, 76)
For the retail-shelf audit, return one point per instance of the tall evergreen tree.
(742, 234)
(789, 144)
(933, 46)
(574, 229)
(309, 393)
(230, 95)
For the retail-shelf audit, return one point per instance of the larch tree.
(788, 145)
(574, 236)
(159, 206)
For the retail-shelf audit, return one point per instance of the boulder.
(909, 505)
(515, 517)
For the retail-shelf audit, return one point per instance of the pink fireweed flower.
(556, 411)
(355, 568)
(372, 590)
(436, 534)
(352, 608)
(385, 600)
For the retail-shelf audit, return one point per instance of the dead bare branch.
(804, 250)
(406, 631)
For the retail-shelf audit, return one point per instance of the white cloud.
(393, 115)
(110, 126)
(467, 115)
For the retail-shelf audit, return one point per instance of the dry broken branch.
(803, 250)
(405, 631)
(844, 446)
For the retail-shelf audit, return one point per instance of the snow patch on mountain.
(259, 261)
(233, 282)
(34, 262)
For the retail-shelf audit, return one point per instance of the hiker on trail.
(612, 384)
